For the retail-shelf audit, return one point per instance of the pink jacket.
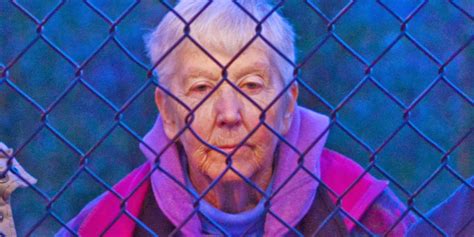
(339, 173)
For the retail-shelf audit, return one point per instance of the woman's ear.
(166, 113)
(290, 108)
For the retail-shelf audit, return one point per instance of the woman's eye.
(252, 86)
(202, 88)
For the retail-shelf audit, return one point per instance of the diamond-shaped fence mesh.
(77, 95)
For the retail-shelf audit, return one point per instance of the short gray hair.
(223, 26)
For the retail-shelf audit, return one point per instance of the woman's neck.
(232, 196)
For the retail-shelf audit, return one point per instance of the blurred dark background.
(443, 115)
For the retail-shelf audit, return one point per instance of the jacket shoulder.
(342, 175)
(123, 187)
(75, 223)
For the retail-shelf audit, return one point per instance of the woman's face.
(226, 117)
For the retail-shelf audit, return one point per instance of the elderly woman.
(231, 152)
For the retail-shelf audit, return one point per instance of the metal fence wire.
(331, 35)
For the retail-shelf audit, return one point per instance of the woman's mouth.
(230, 148)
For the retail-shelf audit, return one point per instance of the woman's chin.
(230, 175)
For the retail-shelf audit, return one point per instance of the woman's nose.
(228, 107)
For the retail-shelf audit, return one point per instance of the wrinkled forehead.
(220, 59)
(214, 61)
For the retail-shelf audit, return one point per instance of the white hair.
(223, 26)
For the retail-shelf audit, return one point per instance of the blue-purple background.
(83, 119)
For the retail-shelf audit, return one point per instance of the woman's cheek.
(203, 121)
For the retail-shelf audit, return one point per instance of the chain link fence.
(76, 94)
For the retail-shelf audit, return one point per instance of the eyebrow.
(195, 72)
(198, 72)
(255, 67)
